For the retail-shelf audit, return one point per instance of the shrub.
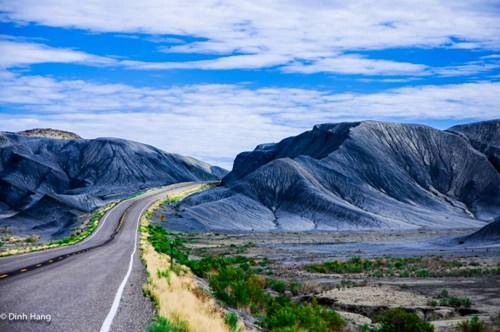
(397, 320)
(294, 287)
(471, 325)
(453, 301)
(285, 315)
(277, 285)
(422, 273)
(237, 287)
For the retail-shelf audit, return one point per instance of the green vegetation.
(398, 320)
(445, 299)
(146, 291)
(420, 267)
(471, 325)
(231, 320)
(81, 233)
(277, 285)
(234, 281)
(285, 315)
(161, 324)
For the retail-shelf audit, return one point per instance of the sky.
(211, 79)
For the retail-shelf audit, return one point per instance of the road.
(95, 285)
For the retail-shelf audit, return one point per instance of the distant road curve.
(95, 285)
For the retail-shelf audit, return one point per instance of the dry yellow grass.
(178, 296)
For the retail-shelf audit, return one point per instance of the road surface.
(95, 285)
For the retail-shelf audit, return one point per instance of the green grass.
(162, 324)
(149, 294)
(231, 320)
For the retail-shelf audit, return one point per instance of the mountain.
(484, 137)
(359, 175)
(489, 233)
(48, 184)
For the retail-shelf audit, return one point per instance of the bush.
(422, 273)
(472, 325)
(285, 315)
(237, 287)
(277, 285)
(161, 324)
(294, 287)
(453, 301)
(398, 320)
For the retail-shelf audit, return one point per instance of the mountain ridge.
(50, 181)
(358, 175)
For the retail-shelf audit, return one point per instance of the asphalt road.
(97, 289)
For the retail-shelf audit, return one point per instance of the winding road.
(95, 285)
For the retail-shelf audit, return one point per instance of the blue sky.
(213, 78)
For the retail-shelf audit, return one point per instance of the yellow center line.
(51, 261)
(23, 270)
(38, 265)
(3, 276)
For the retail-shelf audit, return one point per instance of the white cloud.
(215, 122)
(16, 53)
(355, 64)
(266, 33)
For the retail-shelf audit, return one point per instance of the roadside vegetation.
(161, 324)
(234, 281)
(403, 267)
(22, 245)
(181, 303)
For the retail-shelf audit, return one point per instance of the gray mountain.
(484, 137)
(489, 233)
(360, 175)
(47, 184)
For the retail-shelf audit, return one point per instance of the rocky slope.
(47, 184)
(489, 233)
(483, 137)
(361, 175)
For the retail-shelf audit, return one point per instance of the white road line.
(106, 325)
